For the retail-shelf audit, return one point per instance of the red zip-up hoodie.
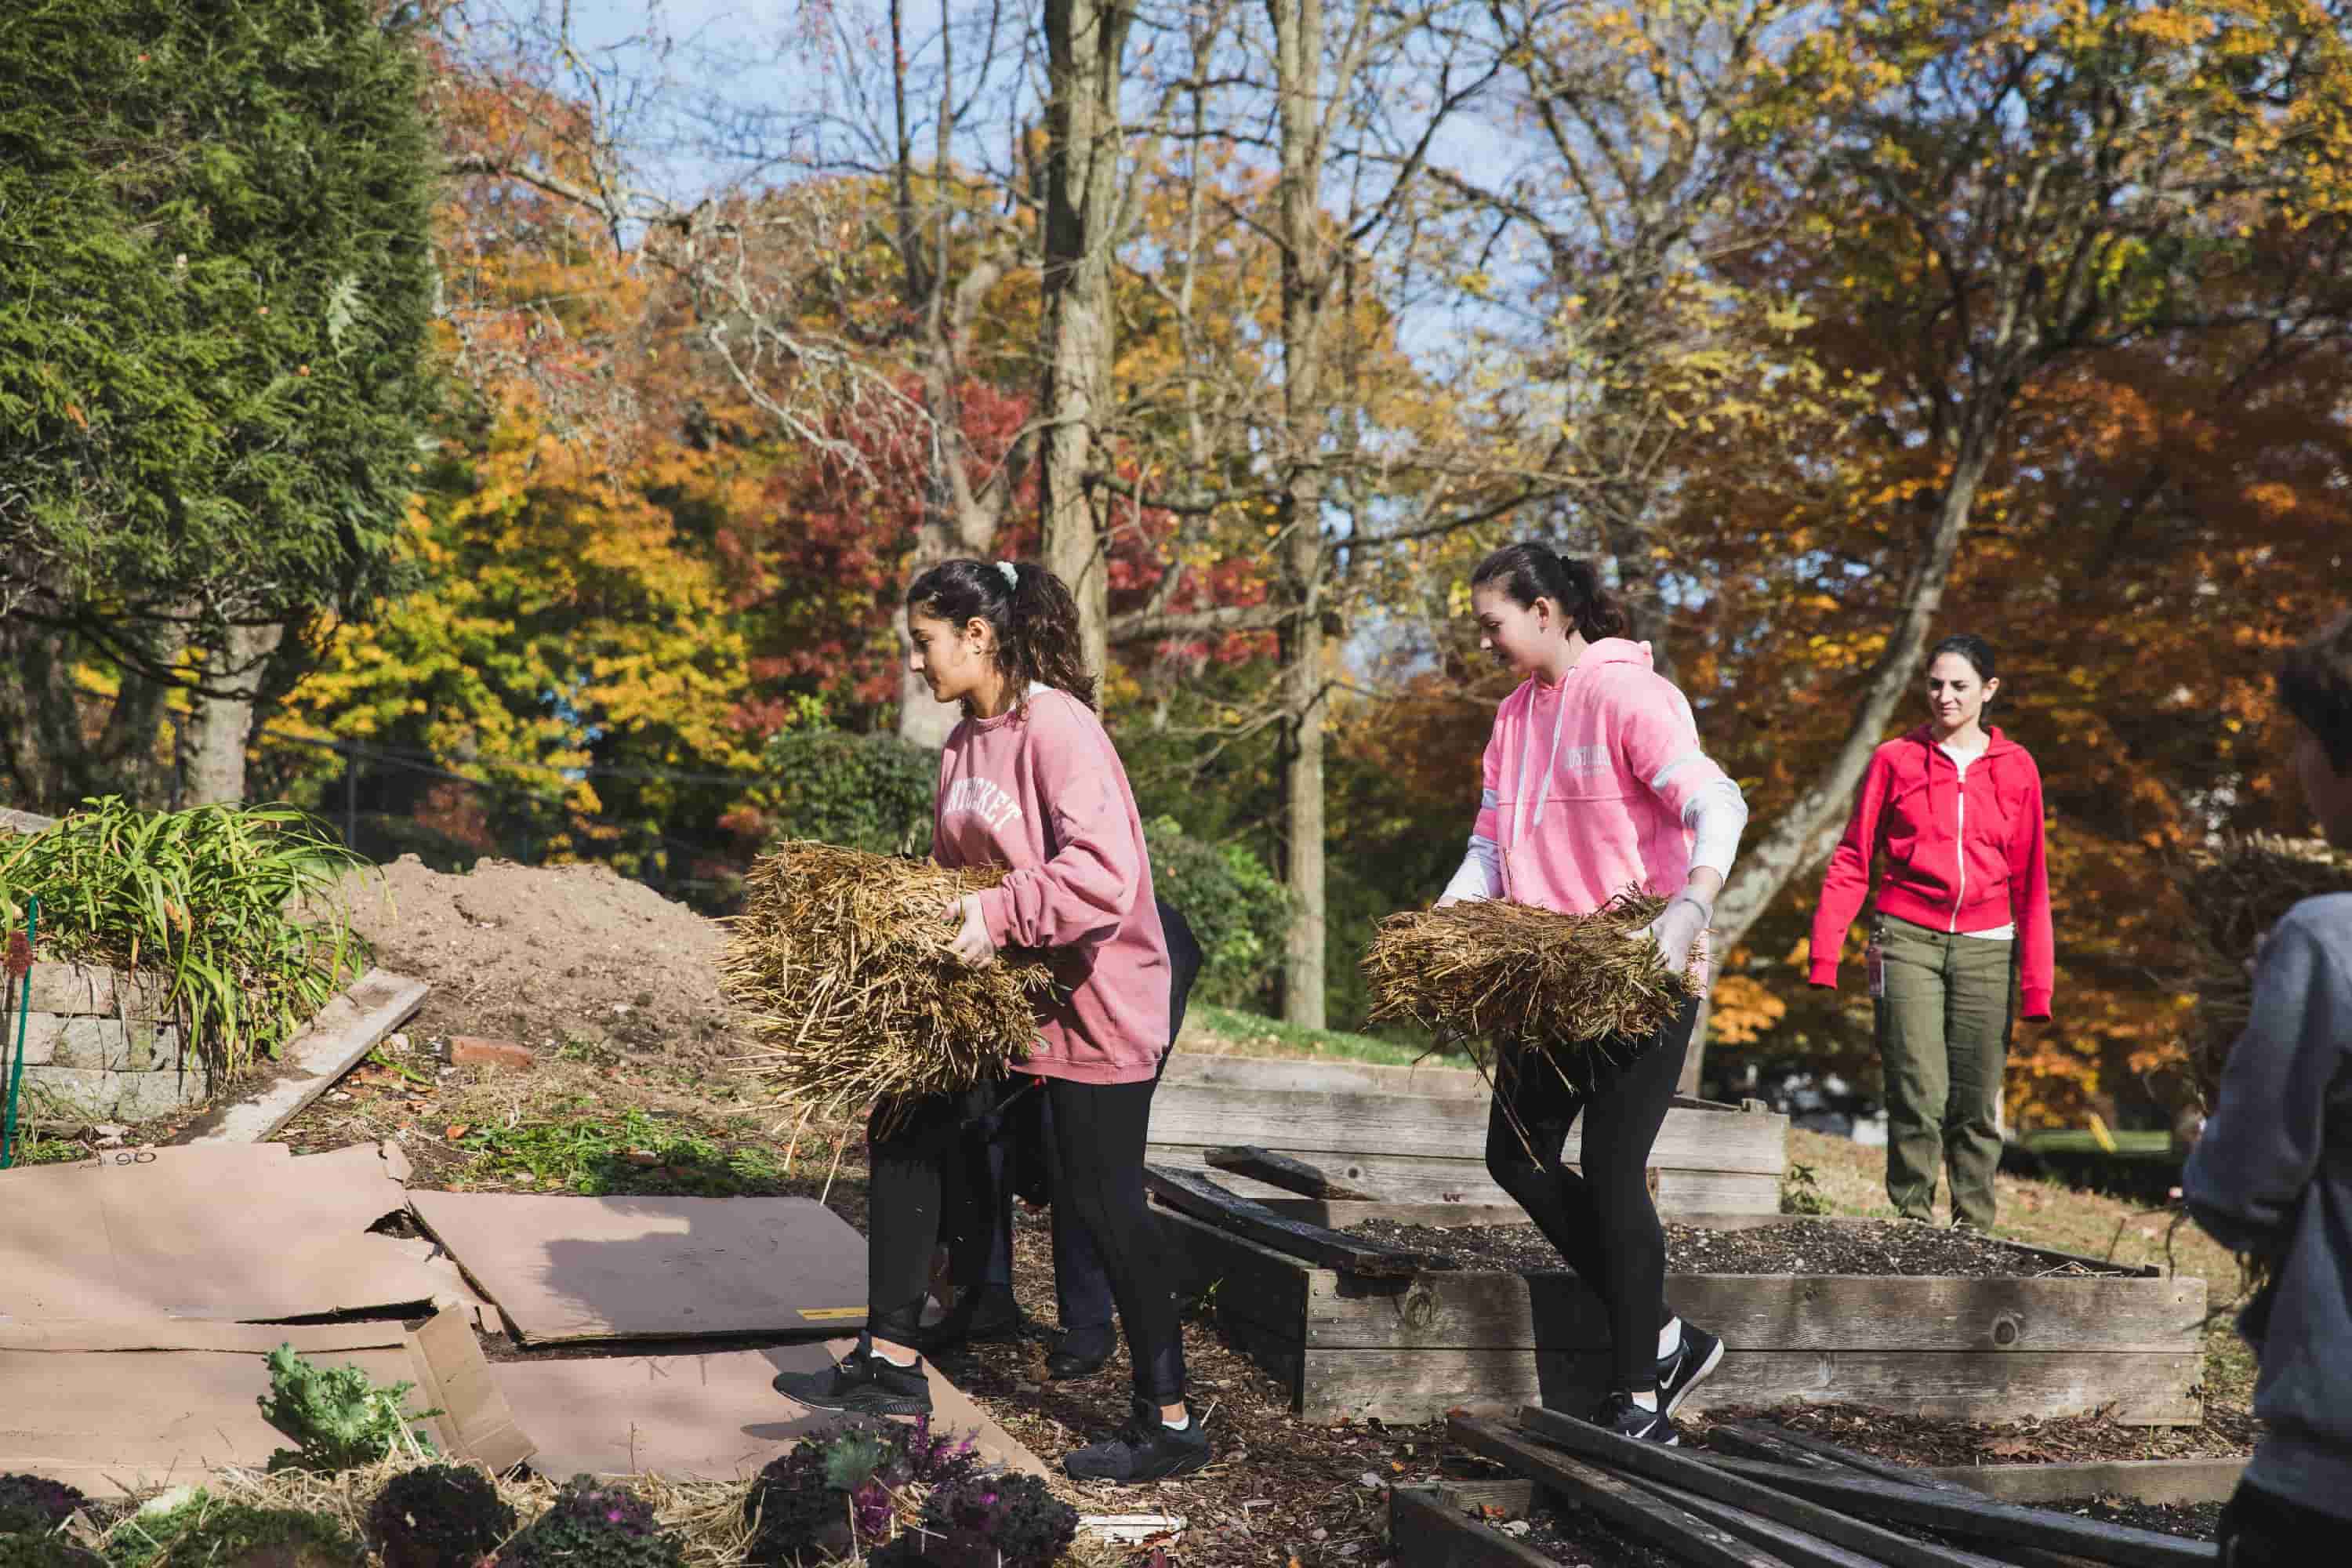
(1908, 816)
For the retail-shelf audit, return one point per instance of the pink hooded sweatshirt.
(1591, 784)
(1041, 789)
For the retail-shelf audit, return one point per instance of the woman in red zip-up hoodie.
(1952, 814)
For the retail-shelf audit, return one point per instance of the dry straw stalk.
(2235, 893)
(1489, 967)
(840, 970)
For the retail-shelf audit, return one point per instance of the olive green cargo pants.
(1944, 1013)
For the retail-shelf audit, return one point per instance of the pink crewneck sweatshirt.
(1589, 783)
(1041, 789)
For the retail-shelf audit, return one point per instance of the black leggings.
(1603, 1221)
(923, 1167)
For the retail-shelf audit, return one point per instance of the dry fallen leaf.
(2010, 1449)
(459, 1130)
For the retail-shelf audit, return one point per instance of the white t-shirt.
(1962, 760)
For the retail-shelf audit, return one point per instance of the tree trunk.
(40, 725)
(1085, 47)
(1306, 292)
(1799, 835)
(225, 723)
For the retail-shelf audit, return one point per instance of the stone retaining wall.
(98, 1047)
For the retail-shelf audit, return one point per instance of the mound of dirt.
(545, 954)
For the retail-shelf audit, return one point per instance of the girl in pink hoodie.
(1595, 783)
(1029, 779)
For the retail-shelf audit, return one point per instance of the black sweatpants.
(2261, 1528)
(1603, 1221)
(921, 1179)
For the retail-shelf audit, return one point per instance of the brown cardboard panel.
(232, 1233)
(119, 1406)
(643, 1268)
(707, 1416)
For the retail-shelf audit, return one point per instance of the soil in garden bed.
(1799, 1247)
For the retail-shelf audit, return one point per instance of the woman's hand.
(970, 942)
(1677, 929)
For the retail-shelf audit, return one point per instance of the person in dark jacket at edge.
(2271, 1174)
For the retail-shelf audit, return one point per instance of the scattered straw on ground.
(1492, 967)
(706, 1517)
(840, 970)
(2235, 894)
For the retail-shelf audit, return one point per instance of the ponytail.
(1531, 571)
(1033, 615)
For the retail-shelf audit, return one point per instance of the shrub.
(339, 1419)
(34, 1504)
(594, 1526)
(835, 1492)
(43, 1550)
(205, 897)
(864, 792)
(1014, 1516)
(1238, 910)
(440, 1516)
(206, 1532)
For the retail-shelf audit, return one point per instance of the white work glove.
(970, 942)
(1678, 929)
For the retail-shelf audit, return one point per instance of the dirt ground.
(548, 955)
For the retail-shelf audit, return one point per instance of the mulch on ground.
(1798, 1247)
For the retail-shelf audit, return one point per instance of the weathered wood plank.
(1481, 1309)
(2143, 1388)
(1337, 1075)
(1425, 1532)
(1654, 1464)
(1236, 1276)
(1623, 1504)
(1682, 1193)
(1304, 1124)
(1282, 1171)
(2148, 1480)
(1981, 1518)
(1798, 1548)
(1204, 1199)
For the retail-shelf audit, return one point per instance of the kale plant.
(339, 1420)
(441, 1516)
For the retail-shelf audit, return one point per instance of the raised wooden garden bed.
(1408, 1345)
(1418, 1135)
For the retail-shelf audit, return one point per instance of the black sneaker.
(1619, 1414)
(1146, 1449)
(1688, 1367)
(862, 1384)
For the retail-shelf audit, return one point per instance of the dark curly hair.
(1529, 570)
(2315, 684)
(1032, 612)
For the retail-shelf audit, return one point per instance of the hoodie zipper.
(1960, 842)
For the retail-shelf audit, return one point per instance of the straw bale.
(2235, 893)
(839, 970)
(1489, 967)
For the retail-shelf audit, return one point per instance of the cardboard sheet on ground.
(229, 1233)
(113, 1408)
(710, 1416)
(602, 1268)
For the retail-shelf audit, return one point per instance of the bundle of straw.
(840, 970)
(1473, 970)
(2235, 894)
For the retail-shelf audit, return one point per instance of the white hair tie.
(1012, 574)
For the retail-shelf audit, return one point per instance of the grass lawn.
(2142, 1145)
(1227, 1032)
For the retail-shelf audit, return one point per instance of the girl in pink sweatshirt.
(1029, 779)
(1595, 783)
